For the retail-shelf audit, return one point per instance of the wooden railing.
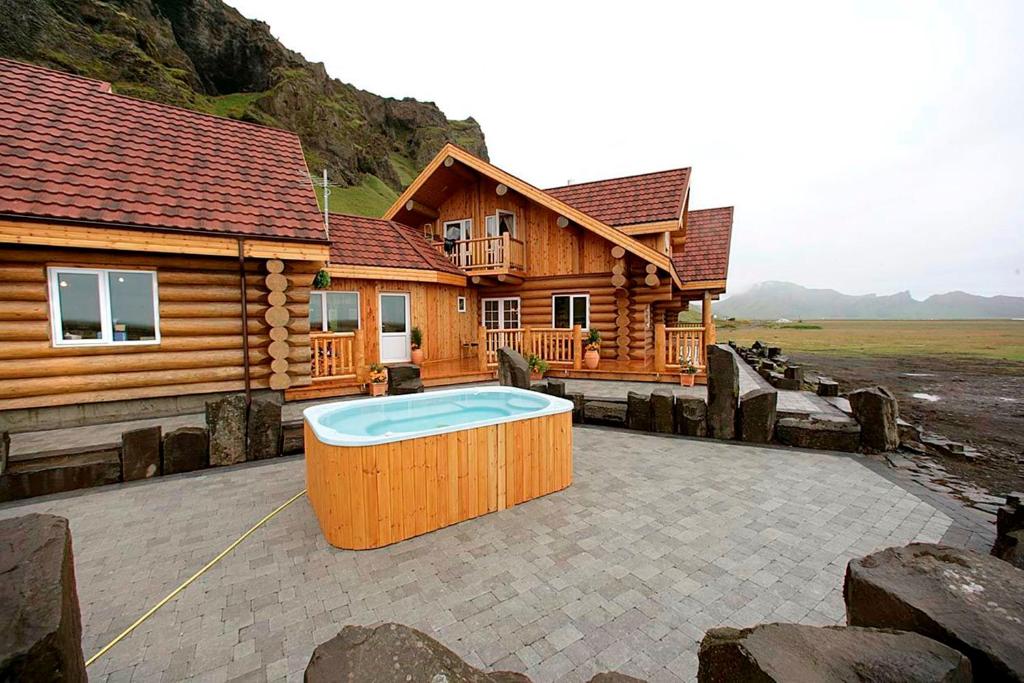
(336, 355)
(487, 253)
(557, 346)
(675, 347)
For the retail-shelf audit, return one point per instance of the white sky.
(867, 147)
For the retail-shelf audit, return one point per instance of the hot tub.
(382, 470)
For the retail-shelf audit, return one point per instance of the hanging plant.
(322, 279)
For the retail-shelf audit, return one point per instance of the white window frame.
(572, 296)
(323, 307)
(501, 310)
(465, 226)
(460, 304)
(496, 217)
(106, 322)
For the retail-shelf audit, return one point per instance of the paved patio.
(658, 539)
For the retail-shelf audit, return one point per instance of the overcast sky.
(866, 147)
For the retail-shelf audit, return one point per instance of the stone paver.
(657, 540)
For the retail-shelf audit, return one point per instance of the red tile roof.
(705, 254)
(72, 150)
(362, 241)
(625, 201)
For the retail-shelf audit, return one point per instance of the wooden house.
(151, 257)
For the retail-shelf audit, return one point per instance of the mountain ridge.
(773, 300)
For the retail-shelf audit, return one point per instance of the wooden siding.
(434, 309)
(200, 325)
(372, 496)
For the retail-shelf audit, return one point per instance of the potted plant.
(322, 279)
(378, 379)
(416, 335)
(592, 356)
(538, 366)
(687, 373)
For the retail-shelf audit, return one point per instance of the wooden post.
(659, 347)
(527, 342)
(707, 320)
(360, 355)
(506, 250)
(577, 347)
(481, 352)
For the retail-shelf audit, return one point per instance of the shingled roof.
(644, 198)
(362, 241)
(705, 254)
(72, 150)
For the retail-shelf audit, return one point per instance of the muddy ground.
(980, 402)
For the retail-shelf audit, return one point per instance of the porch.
(502, 257)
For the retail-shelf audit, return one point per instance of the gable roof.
(376, 242)
(71, 150)
(644, 198)
(537, 195)
(705, 253)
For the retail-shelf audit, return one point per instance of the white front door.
(394, 328)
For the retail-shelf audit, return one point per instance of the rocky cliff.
(202, 54)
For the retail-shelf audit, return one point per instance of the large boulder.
(969, 601)
(556, 387)
(513, 370)
(226, 422)
(186, 449)
(610, 412)
(1009, 544)
(264, 429)
(140, 453)
(723, 392)
(756, 421)
(691, 416)
(40, 622)
(823, 432)
(638, 411)
(578, 402)
(404, 378)
(5, 450)
(64, 471)
(663, 411)
(794, 652)
(877, 411)
(393, 653)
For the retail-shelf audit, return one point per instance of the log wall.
(200, 326)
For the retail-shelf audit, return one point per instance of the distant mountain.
(774, 300)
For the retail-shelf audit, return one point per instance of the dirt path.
(979, 402)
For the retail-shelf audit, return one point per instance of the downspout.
(245, 322)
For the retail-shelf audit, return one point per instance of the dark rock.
(937, 444)
(663, 414)
(140, 453)
(876, 410)
(910, 435)
(780, 381)
(723, 392)
(393, 653)
(638, 411)
(61, 472)
(827, 387)
(795, 372)
(264, 429)
(615, 677)
(833, 654)
(691, 416)
(292, 438)
(556, 387)
(1010, 548)
(756, 420)
(1009, 545)
(226, 420)
(404, 378)
(578, 402)
(540, 387)
(758, 346)
(5, 451)
(774, 351)
(819, 431)
(186, 449)
(609, 412)
(513, 370)
(40, 622)
(969, 601)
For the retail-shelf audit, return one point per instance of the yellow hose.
(192, 578)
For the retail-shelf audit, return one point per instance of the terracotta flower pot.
(591, 359)
(378, 388)
(686, 379)
(417, 356)
(536, 376)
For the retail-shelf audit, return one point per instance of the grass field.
(997, 339)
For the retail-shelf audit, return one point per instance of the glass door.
(394, 328)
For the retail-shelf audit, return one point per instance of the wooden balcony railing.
(675, 347)
(336, 355)
(481, 254)
(557, 346)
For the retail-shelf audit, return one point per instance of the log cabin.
(153, 257)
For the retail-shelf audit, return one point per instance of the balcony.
(482, 256)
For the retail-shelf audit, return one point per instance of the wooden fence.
(675, 347)
(336, 355)
(557, 346)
